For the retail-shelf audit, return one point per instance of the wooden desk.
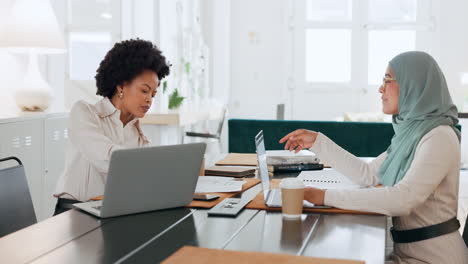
(75, 237)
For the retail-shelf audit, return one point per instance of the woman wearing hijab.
(419, 171)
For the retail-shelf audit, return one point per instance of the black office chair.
(16, 208)
(216, 135)
(465, 232)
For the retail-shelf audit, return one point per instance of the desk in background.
(168, 128)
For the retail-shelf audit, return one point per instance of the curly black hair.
(125, 61)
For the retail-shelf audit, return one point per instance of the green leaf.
(175, 100)
(187, 67)
(164, 86)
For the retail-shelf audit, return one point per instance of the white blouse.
(427, 195)
(95, 131)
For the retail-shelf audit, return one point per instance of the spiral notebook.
(327, 179)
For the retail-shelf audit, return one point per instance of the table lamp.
(32, 28)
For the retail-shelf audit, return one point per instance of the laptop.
(147, 179)
(272, 197)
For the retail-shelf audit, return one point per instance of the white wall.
(453, 26)
(452, 55)
(258, 55)
(10, 67)
(246, 39)
(55, 64)
(216, 23)
(257, 58)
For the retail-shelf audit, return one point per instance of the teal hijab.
(424, 104)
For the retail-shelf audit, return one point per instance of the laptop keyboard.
(274, 199)
(97, 207)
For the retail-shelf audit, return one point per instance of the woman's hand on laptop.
(314, 195)
(299, 139)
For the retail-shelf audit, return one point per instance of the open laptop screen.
(262, 164)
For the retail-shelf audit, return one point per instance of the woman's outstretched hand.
(314, 195)
(299, 139)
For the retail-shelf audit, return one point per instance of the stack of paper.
(238, 159)
(211, 184)
(285, 160)
(231, 171)
(286, 157)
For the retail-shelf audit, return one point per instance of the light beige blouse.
(95, 131)
(427, 195)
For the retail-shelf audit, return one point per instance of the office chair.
(465, 229)
(16, 208)
(216, 135)
(465, 232)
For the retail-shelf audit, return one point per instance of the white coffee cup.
(292, 197)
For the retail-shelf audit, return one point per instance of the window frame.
(360, 28)
(88, 87)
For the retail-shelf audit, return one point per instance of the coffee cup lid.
(292, 183)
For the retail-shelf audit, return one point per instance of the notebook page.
(327, 179)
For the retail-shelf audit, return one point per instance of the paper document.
(209, 184)
(327, 179)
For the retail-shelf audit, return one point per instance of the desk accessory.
(32, 28)
(292, 197)
(229, 207)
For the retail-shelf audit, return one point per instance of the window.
(348, 43)
(332, 46)
(337, 51)
(92, 28)
(86, 52)
(328, 31)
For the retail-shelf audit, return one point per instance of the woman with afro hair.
(128, 79)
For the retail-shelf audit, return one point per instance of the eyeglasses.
(386, 80)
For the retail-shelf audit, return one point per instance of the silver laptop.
(272, 197)
(146, 179)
